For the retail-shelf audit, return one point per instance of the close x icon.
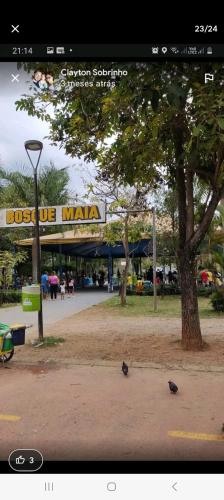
(15, 29)
(14, 78)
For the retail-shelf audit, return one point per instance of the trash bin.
(18, 334)
(31, 298)
(7, 342)
(4, 329)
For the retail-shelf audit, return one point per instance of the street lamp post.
(154, 258)
(36, 146)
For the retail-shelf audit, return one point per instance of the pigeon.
(124, 368)
(173, 387)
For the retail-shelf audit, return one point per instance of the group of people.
(52, 284)
(67, 282)
(98, 278)
(43, 81)
(170, 278)
(208, 278)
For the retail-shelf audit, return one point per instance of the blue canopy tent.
(89, 246)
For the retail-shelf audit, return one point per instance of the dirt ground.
(98, 336)
(95, 413)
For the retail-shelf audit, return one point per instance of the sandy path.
(97, 335)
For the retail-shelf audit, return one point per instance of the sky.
(17, 127)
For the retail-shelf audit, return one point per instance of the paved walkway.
(54, 310)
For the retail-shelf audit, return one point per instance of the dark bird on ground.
(173, 387)
(222, 427)
(124, 368)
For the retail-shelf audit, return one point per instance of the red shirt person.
(204, 277)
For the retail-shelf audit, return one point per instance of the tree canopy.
(137, 130)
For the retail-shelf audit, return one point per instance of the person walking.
(53, 281)
(101, 279)
(62, 289)
(71, 286)
(44, 284)
(150, 274)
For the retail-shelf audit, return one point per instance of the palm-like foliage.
(19, 188)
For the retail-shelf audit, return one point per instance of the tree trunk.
(191, 331)
(189, 236)
(124, 287)
(189, 204)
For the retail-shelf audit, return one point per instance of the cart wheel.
(6, 357)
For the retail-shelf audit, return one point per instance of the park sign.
(54, 215)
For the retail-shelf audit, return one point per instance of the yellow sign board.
(52, 216)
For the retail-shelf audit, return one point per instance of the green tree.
(129, 221)
(159, 122)
(8, 261)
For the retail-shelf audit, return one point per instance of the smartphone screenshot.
(112, 265)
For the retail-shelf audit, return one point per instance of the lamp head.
(33, 145)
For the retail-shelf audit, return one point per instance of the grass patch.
(49, 342)
(168, 306)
